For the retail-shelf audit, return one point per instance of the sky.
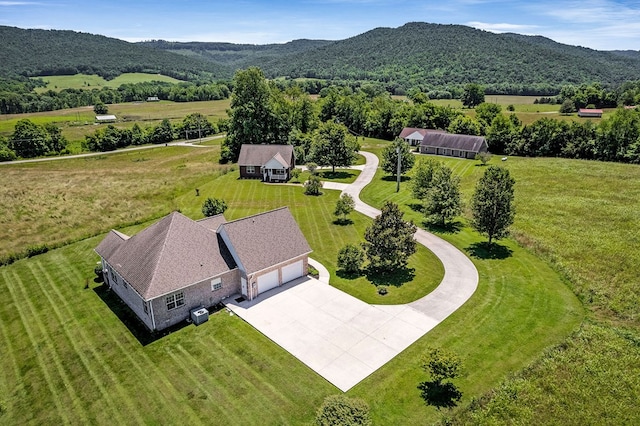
(597, 24)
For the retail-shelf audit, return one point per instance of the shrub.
(98, 270)
(312, 167)
(313, 186)
(213, 206)
(344, 411)
(382, 290)
(350, 258)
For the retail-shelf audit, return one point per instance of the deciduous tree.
(472, 95)
(443, 202)
(390, 158)
(441, 365)
(333, 146)
(344, 206)
(422, 177)
(350, 258)
(492, 203)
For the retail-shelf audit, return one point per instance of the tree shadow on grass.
(396, 278)
(447, 228)
(440, 395)
(342, 174)
(348, 275)
(416, 207)
(392, 178)
(132, 322)
(343, 222)
(484, 250)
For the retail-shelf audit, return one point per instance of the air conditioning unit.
(199, 315)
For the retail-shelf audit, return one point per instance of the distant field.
(78, 122)
(84, 81)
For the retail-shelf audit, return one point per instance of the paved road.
(93, 154)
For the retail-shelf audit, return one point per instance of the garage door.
(267, 281)
(291, 272)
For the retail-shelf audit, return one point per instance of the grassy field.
(78, 122)
(69, 358)
(579, 216)
(52, 202)
(84, 81)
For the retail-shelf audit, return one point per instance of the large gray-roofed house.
(269, 249)
(178, 264)
(271, 163)
(454, 145)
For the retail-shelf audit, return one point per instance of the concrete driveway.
(343, 338)
(340, 337)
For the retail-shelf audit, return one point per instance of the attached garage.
(268, 281)
(293, 271)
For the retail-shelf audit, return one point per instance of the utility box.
(199, 315)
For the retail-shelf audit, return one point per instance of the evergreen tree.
(492, 203)
(213, 207)
(389, 240)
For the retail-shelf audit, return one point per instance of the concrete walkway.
(341, 337)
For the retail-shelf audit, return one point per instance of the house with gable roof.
(178, 264)
(439, 142)
(270, 163)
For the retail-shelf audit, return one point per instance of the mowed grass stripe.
(209, 383)
(133, 358)
(11, 384)
(63, 321)
(100, 378)
(22, 303)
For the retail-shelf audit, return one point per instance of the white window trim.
(251, 169)
(176, 299)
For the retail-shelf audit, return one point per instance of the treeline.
(192, 126)
(595, 96)
(18, 96)
(32, 140)
(289, 116)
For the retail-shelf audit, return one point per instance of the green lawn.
(68, 356)
(579, 216)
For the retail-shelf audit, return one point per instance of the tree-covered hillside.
(236, 55)
(52, 52)
(433, 56)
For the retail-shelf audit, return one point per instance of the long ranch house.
(439, 142)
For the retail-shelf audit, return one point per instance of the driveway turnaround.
(341, 337)
(335, 334)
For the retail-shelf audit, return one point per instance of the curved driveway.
(341, 337)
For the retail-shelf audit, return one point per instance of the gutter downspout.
(153, 318)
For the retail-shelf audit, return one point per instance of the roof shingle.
(258, 155)
(167, 256)
(266, 239)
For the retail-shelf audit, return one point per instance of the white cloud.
(502, 27)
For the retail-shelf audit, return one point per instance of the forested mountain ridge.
(434, 56)
(431, 57)
(34, 52)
